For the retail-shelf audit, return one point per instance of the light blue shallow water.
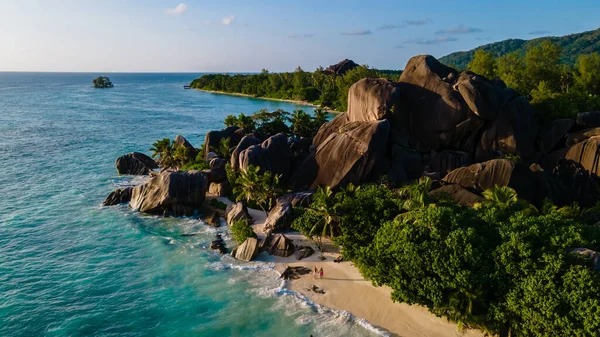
(69, 267)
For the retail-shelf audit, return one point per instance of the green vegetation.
(256, 189)
(102, 82)
(502, 266)
(556, 90)
(217, 204)
(571, 45)
(318, 87)
(241, 230)
(265, 123)
(176, 157)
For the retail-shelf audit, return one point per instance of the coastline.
(268, 99)
(346, 290)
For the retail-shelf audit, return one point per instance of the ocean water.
(70, 267)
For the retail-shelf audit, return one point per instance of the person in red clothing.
(321, 272)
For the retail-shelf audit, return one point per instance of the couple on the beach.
(318, 272)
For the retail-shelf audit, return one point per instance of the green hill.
(572, 46)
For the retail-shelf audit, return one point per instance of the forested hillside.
(572, 46)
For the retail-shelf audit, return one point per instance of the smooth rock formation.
(135, 163)
(371, 99)
(280, 217)
(118, 196)
(586, 153)
(355, 154)
(406, 165)
(222, 189)
(480, 94)
(217, 172)
(459, 194)
(580, 136)
(297, 199)
(272, 156)
(280, 245)
(179, 192)
(247, 251)
(551, 135)
(501, 172)
(329, 128)
(446, 161)
(192, 152)
(245, 143)
(213, 138)
(237, 212)
(303, 252)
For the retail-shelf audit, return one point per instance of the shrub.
(241, 230)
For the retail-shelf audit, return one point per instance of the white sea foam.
(265, 282)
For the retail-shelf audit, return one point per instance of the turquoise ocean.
(70, 267)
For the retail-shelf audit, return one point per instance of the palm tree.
(262, 189)
(224, 149)
(323, 204)
(320, 118)
(502, 197)
(301, 123)
(165, 152)
(416, 195)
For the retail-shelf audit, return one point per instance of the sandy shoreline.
(267, 99)
(346, 290)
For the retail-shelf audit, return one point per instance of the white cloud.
(228, 20)
(300, 36)
(462, 29)
(436, 40)
(358, 32)
(177, 10)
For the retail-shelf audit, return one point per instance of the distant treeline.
(556, 90)
(320, 87)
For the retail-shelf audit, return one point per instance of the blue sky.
(197, 36)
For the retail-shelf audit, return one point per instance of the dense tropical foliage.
(241, 230)
(555, 89)
(502, 266)
(318, 87)
(102, 82)
(266, 123)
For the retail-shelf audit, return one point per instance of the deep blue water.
(70, 267)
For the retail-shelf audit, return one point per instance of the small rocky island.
(102, 82)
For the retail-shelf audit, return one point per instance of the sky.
(250, 35)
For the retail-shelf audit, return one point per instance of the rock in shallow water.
(135, 163)
(179, 192)
(118, 196)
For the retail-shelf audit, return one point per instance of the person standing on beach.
(315, 272)
(321, 273)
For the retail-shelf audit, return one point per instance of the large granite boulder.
(480, 94)
(586, 153)
(513, 132)
(580, 136)
(341, 68)
(406, 165)
(271, 155)
(247, 251)
(179, 192)
(280, 245)
(549, 136)
(589, 119)
(329, 128)
(297, 199)
(304, 252)
(501, 172)
(371, 99)
(571, 182)
(217, 172)
(459, 194)
(192, 152)
(213, 138)
(236, 212)
(222, 189)
(280, 217)
(354, 154)
(427, 104)
(118, 196)
(135, 163)
(245, 143)
(447, 161)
